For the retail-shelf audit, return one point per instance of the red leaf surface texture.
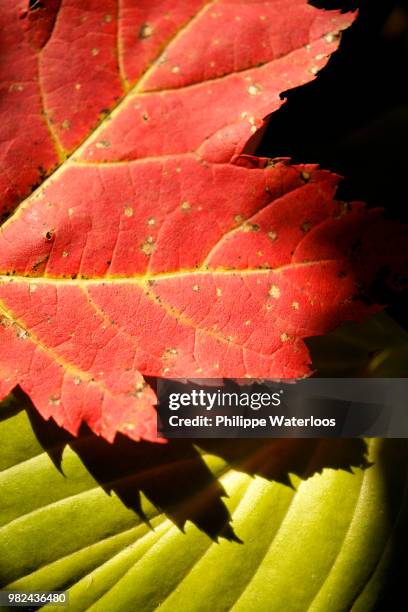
(138, 238)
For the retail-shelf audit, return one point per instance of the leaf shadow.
(174, 476)
(278, 459)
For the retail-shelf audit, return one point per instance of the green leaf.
(326, 542)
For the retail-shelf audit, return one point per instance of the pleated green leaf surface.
(325, 543)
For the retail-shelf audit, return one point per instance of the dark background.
(353, 119)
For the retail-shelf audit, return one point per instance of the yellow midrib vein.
(146, 279)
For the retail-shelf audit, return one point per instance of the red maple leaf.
(156, 248)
